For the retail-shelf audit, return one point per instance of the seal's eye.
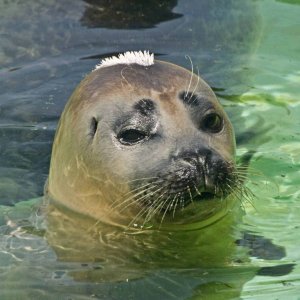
(212, 122)
(131, 136)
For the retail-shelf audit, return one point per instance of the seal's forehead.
(136, 75)
(139, 63)
(134, 71)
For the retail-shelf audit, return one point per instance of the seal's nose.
(199, 165)
(196, 157)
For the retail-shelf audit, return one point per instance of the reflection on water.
(128, 15)
(24, 154)
(42, 43)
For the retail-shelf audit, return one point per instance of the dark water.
(248, 51)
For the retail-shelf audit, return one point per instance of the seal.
(142, 174)
(143, 143)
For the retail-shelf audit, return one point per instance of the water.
(247, 50)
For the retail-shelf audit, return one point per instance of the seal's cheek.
(224, 144)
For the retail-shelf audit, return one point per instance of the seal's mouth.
(166, 198)
(204, 196)
(186, 198)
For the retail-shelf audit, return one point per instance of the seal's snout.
(192, 168)
(197, 173)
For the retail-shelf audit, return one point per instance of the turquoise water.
(275, 99)
(249, 51)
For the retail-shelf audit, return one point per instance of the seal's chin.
(183, 212)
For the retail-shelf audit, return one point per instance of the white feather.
(127, 58)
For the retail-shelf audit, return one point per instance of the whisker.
(175, 205)
(139, 214)
(249, 196)
(197, 191)
(235, 193)
(191, 78)
(190, 194)
(241, 192)
(114, 207)
(132, 199)
(138, 188)
(167, 208)
(161, 206)
(249, 170)
(163, 203)
(196, 85)
(152, 212)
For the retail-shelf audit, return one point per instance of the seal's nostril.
(191, 160)
(204, 152)
(194, 158)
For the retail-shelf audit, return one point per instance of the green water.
(43, 57)
(275, 99)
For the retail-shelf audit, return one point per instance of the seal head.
(143, 142)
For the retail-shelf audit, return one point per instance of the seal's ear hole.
(131, 136)
(212, 122)
(93, 126)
